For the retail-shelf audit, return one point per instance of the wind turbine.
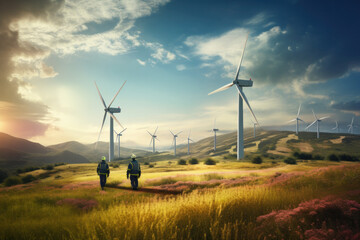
(153, 137)
(111, 111)
(174, 140)
(317, 121)
(254, 128)
(215, 130)
(351, 126)
(189, 139)
(297, 119)
(336, 127)
(239, 85)
(118, 135)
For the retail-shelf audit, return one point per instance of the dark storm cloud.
(347, 106)
(321, 42)
(10, 12)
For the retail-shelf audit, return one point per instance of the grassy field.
(230, 200)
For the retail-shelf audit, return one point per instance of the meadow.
(229, 200)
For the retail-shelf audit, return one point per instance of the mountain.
(94, 155)
(18, 153)
(22, 145)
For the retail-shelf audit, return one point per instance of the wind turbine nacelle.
(114, 110)
(244, 83)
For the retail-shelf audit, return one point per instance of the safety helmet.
(133, 156)
(103, 158)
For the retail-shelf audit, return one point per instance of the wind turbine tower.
(297, 119)
(239, 85)
(174, 140)
(153, 138)
(118, 135)
(254, 128)
(215, 130)
(111, 111)
(317, 121)
(189, 139)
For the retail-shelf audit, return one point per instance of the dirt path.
(281, 146)
(337, 140)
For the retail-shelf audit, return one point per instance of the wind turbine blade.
(191, 140)
(334, 128)
(311, 124)
(115, 132)
(123, 130)
(242, 55)
(113, 117)
(299, 111)
(149, 133)
(293, 120)
(222, 88)
(172, 133)
(102, 125)
(324, 118)
(248, 105)
(156, 130)
(157, 139)
(352, 121)
(101, 98)
(116, 94)
(150, 141)
(179, 133)
(314, 114)
(189, 133)
(172, 144)
(301, 120)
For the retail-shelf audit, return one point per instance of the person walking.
(103, 171)
(134, 171)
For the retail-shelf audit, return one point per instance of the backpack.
(103, 167)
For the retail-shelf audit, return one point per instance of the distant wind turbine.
(153, 137)
(317, 121)
(215, 130)
(111, 111)
(336, 127)
(239, 85)
(297, 119)
(254, 123)
(174, 140)
(351, 126)
(189, 139)
(118, 135)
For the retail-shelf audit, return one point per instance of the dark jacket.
(134, 169)
(103, 168)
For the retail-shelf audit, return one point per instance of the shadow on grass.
(148, 190)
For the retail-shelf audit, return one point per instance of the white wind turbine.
(297, 119)
(336, 127)
(317, 121)
(189, 139)
(118, 135)
(351, 126)
(254, 123)
(239, 85)
(174, 140)
(153, 137)
(215, 130)
(111, 111)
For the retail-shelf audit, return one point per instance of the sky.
(172, 53)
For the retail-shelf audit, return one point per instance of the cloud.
(353, 106)
(180, 67)
(160, 54)
(257, 19)
(142, 63)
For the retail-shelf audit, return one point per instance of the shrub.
(48, 167)
(210, 161)
(12, 180)
(290, 160)
(347, 157)
(59, 164)
(257, 160)
(169, 162)
(151, 166)
(193, 161)
(333, 157)
(146, 163)
(114, 165)
(318, 157)
(28, 178)
(3, 175)
(182, 162)
(302, 155)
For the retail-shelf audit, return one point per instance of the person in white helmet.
(103, 171)
(134, 171)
